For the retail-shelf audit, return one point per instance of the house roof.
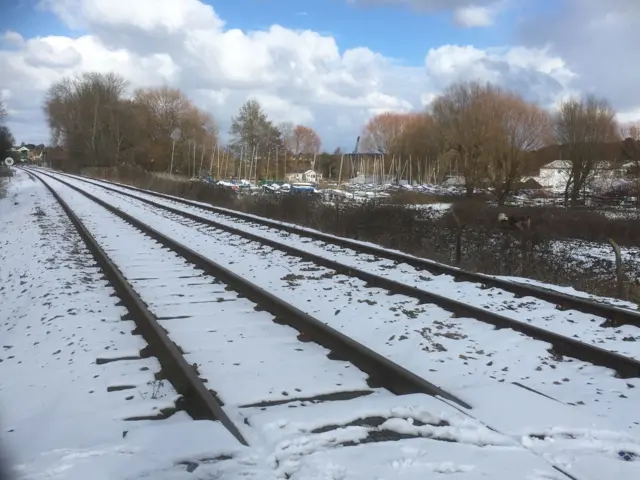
(558, 164)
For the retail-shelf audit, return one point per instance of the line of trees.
(486, 134)
(160, 129)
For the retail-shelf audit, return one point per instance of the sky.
(327, 64)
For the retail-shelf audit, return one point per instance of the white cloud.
(473, 16)
(300, 76)
(538, 76)
(599, 39)
(12, 39)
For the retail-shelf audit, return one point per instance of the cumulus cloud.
(298, 75)
(538, 76)
(599, 40)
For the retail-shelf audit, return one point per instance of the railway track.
(615, 316)
(376, 388)
(563, 343)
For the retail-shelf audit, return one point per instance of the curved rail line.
(616, 316)
(381, 370)
(626, 367)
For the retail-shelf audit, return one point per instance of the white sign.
(8, 161)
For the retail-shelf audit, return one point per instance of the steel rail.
(626, 367)
(177, 370)
(615, 316)
(381, 370)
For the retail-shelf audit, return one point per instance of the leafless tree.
(580, 127)
(303, 141)
(465, 117)
(520, 129)
(95, 125)
(82, 112)
(384, 132)
(159, 112)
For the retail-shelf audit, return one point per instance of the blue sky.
(394, 31)
(542, 49)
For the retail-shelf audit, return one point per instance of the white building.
(554, 175)
(310, 176)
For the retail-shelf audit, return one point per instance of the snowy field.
(598, 258)
(60, 419)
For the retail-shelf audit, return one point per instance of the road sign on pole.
(8, 161)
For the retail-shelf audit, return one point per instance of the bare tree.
(95, 125)
(520, 129)
(422, 141)
(286, 130)
(580, 127)
(466, 122)
(303, 141)
(383, 133)
(81, 112)
(159, 112)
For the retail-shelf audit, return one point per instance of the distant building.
(554, 175)
(309, 176)
(23, 152)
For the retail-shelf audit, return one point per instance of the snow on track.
(244, 355)
(453, 443)
(571, 323)
(58, 317)
(71, 428)
(463, 356)
(297, 434)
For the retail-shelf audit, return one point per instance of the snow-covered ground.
(597, 257)
(342, 440)
(531, 310)
(432, 210)
(464, 356)
(62, 411)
